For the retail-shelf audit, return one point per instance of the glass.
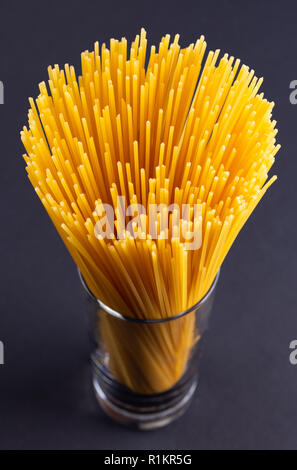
(145, 372)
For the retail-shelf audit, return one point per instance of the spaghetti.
(182, 130)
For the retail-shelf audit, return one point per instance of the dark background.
(247, 396)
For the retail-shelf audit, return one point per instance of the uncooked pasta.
(178, 144)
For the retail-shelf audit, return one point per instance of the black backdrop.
(248, 388)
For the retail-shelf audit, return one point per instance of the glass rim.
(119, 316)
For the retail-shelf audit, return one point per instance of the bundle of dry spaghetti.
(183, 130)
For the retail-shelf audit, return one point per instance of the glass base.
(144, 412)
